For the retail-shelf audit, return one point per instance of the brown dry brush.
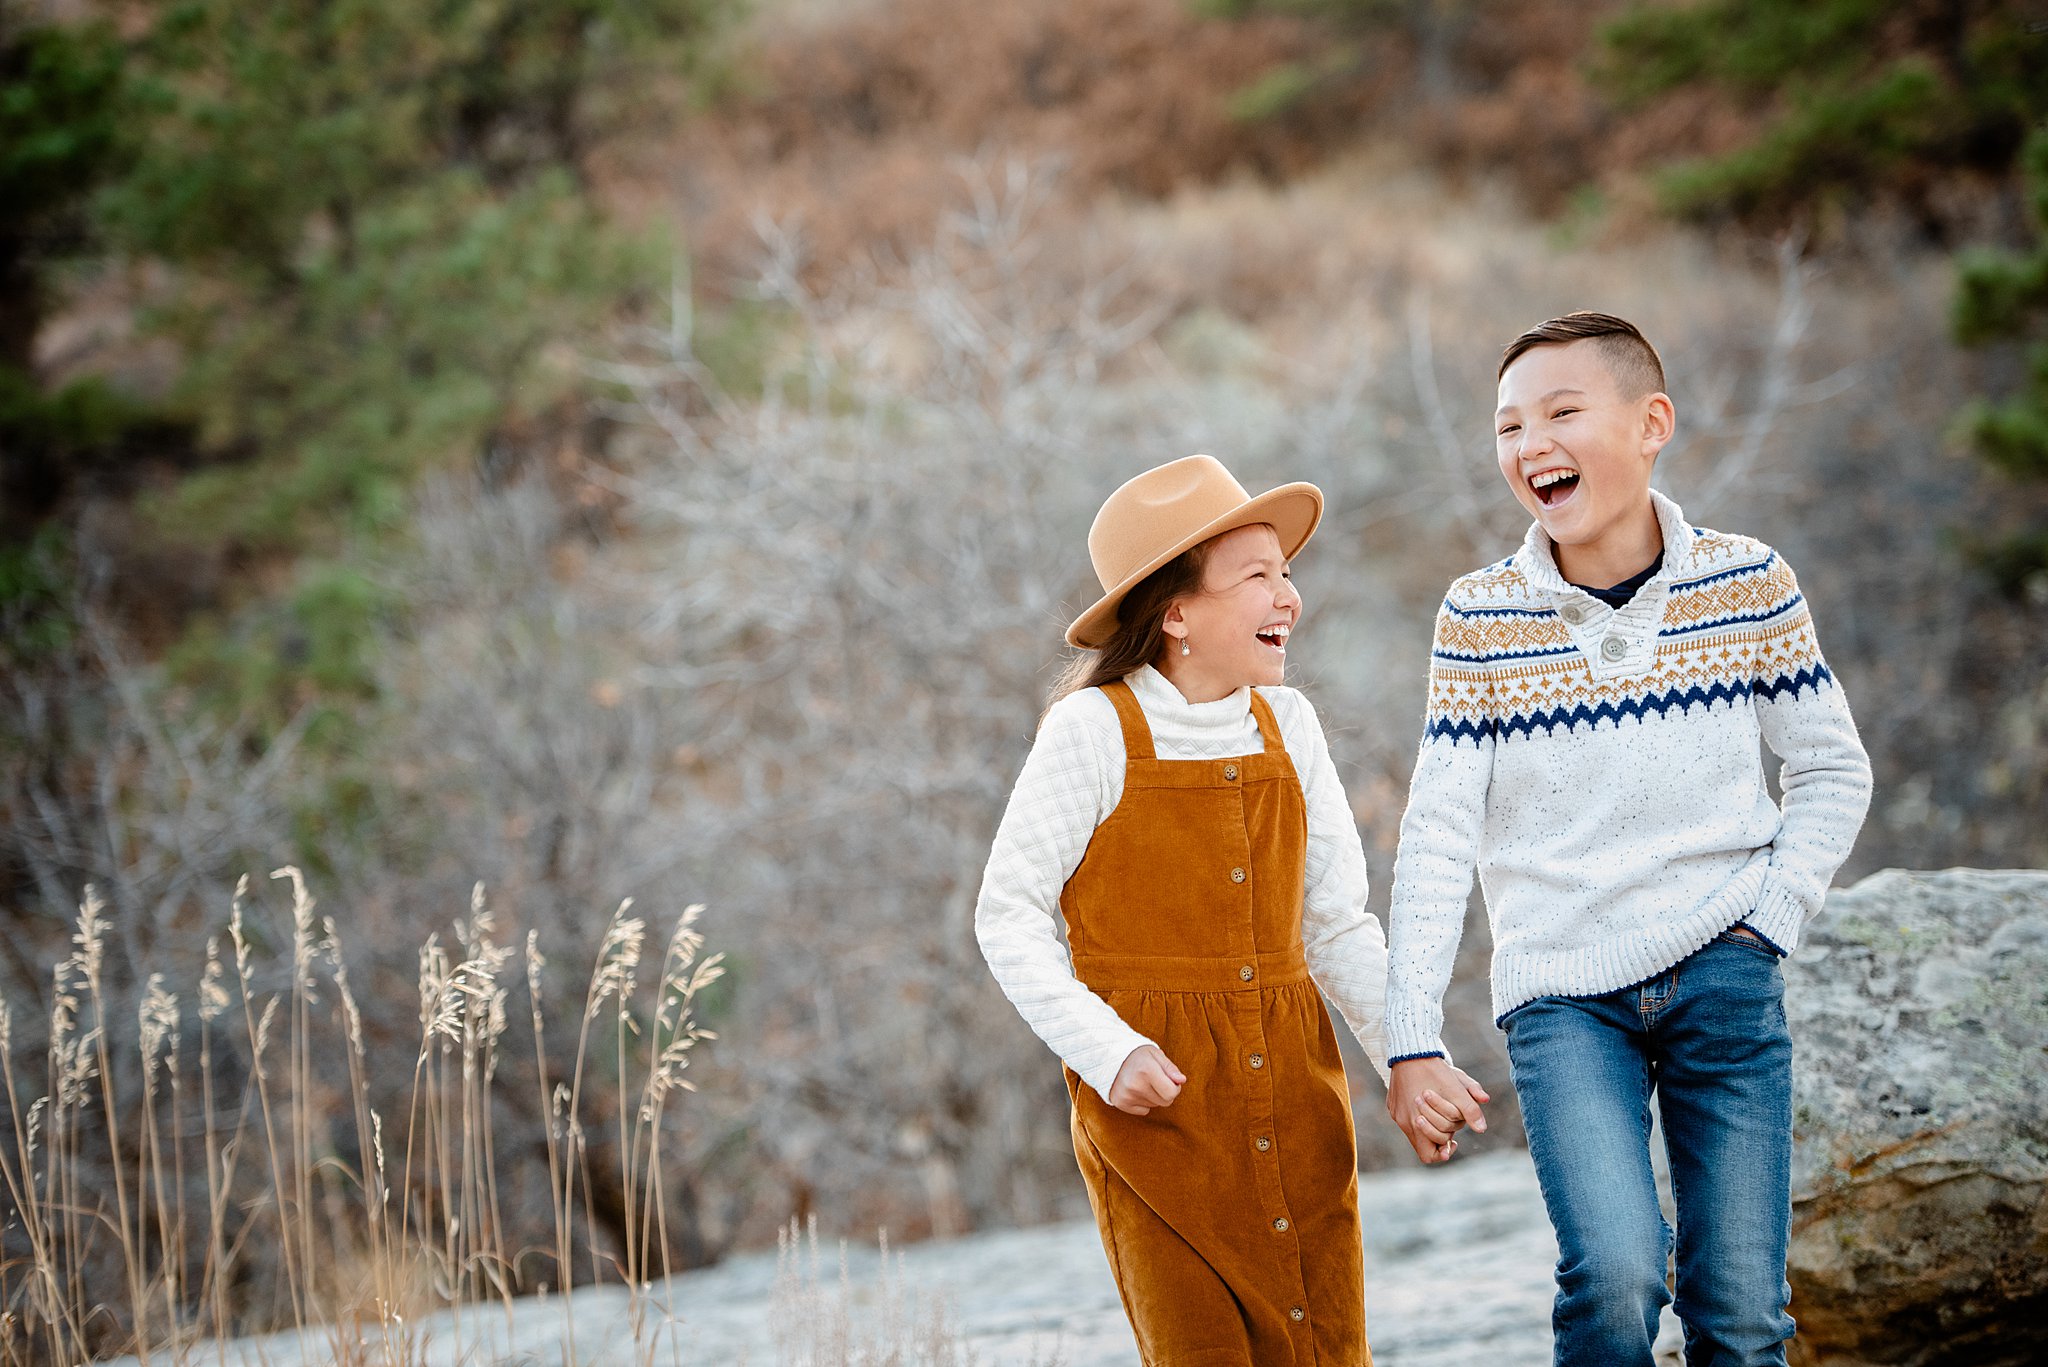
(251, 1157)
(848, 122)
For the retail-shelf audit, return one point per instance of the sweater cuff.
(1413, 1039)
(1108, 1062)
(1778, 916)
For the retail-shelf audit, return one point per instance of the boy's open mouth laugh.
(1275, 636)
(1554, 486)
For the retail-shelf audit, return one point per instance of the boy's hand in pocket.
(1147, 1079)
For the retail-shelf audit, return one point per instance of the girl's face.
(1236, 627)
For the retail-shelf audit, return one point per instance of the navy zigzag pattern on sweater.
(1684, 699)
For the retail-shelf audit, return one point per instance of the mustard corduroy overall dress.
(1231, 1216)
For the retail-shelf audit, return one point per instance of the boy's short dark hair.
(1631, 359)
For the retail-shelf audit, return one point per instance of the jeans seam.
(1650, 1004)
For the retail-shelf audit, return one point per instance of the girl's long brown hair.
(1140, 632)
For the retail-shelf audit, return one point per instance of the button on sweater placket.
(1618, 643)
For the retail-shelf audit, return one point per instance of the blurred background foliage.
(617, 447)
(352, 230)
(1789, 118)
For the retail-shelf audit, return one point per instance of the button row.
(1264, 1144)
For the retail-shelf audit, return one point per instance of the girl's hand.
(1431, 1101)
(1147, 1079)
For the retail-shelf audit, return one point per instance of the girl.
(1180, 808)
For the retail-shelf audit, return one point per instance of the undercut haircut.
(1630, 358)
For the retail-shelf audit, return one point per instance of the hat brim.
(1294, 510)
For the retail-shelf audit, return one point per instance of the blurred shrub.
(1463, 84)
(365, 231)
(2003, 296)
(376, 355)
(1861, 103)
(1858, 100)
(58, 137)
(33, 621)
(59, 140)
(378, 224)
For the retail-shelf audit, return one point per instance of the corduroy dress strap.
(1137, 732)
(1140, 754)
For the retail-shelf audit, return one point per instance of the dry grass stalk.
(361, 1261)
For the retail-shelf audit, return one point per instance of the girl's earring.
(1184, 646)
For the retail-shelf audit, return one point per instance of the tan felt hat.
(1168, 509)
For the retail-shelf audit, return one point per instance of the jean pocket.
(1502, 1022)
(1742, 935)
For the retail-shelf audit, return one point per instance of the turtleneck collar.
(1157, 694)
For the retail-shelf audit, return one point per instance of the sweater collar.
(1537, 559)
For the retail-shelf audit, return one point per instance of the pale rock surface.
(1458, 1271)
(1919, 1014)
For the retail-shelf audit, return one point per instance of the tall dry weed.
(114, 1248)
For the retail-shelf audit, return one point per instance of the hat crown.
(1157, 510)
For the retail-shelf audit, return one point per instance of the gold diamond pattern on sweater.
(1501, 635)
(1562, 690)
(1742, 595)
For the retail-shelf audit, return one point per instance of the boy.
(1596, 702)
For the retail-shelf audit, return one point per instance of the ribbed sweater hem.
(1594, 970)
(1779, 916)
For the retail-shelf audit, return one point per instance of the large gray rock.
(1919, 1011)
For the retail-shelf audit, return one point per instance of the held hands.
(1431, 1101)
(1147, 1079)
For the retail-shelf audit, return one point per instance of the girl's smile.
(1234, 631)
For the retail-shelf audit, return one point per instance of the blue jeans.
(1708, 1037)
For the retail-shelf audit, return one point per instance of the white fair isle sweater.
(1601, 768)
(1074, 778)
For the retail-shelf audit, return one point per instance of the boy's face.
(1575, 451)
